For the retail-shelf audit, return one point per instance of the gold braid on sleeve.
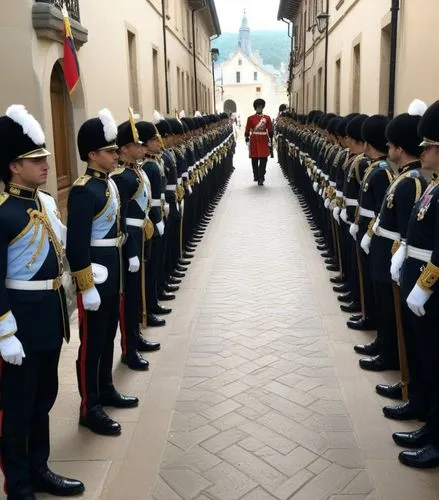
(428, 277)
(84, 279)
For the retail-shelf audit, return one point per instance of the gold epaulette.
(3, 198)
(82, 181)
(428, 277)
(118, 171)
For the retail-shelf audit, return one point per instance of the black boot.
(391, 391)
(135, 361)
(144, 345)
(49, 482)
(414, 439)
(152, 320)
(421, 458)
(98, 421)
(115, 399)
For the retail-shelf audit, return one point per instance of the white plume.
(417, 108)
(110, 126)
(19, 114)
(156, 117)
(182, 114)
(197, 114)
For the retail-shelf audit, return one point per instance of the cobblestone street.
(256, 393)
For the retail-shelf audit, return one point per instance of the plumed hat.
(97, 134)
(21, 136)
(402, 131)
(428, 127)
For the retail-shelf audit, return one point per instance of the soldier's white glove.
(315, 186)
(398, 259)
(161, 227)
(133, 264)
(166, 208)
(327, 203)
(344, 215)
(332, 204)
(91, 299)
(353, 230)
(336, 214)
(417, 299)
(365, 243)
(11, 350)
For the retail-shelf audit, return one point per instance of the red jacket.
(260, 130)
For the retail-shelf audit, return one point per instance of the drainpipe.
(393, 49)
(325, 87)
(165, 55)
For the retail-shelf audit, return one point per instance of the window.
(314, 92)
(255, 76)
(238, 77)
(155, 75)
(133, 77)
(239, 62)
(178, 103)
(384, 70)
(320, 88)
(356, 80)
(337, 86)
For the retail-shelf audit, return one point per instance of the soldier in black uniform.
(95, 234)
(377, 289)
(419, 282)
(390, 230)
(352, 176)
(33, 312)
(153, 168)
(129, 179)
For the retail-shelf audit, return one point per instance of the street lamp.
(214, 56)
(322, 21)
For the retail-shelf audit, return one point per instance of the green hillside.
(274, 46)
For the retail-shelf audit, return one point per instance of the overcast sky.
(261, 14)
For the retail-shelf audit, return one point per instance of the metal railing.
(71, 5)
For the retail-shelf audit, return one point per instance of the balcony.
(48, 22)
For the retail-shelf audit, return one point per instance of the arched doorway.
(230, 106)
(61, 118)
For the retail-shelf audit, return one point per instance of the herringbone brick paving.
(256, 393)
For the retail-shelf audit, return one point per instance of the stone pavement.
(256, 393)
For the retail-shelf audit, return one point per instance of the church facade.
(244, 77)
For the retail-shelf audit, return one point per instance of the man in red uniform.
(259, 133)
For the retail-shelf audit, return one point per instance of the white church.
(244, 77)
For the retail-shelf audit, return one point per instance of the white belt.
(351, 202)
(156, 203)
(34, 285)
(332, 183)
(171, 187)
(339, 194)
(108, 242)
(259, 133)
(390, 235)
(419, 253)
(367, 213)
(135, 222)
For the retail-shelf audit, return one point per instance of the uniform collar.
(127, 164)
(96, 173)
(152, 156)
(21, 191)
(410, 166)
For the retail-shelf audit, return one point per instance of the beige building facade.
(244, 77)
(121, 53)
(359, 54)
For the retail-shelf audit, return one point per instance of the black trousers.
(130, 303)
(28, 393)
(94, 366)
(171, 241)
(386, 320)
(154, 271)
(259, 167)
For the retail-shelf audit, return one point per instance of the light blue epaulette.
(383, 164)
